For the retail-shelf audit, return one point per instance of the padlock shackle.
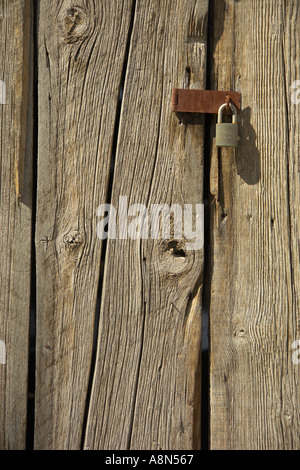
(233, 109)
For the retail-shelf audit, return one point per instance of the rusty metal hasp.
(203, 101)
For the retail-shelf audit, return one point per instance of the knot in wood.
(75, 24)
(174, 259)
(72, 240)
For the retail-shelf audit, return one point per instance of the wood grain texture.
(15, 216)
(81, 54)
(146, 388)
(255, 289)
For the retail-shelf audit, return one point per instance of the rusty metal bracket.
(203, 101)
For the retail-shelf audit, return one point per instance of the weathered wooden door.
(109, 323)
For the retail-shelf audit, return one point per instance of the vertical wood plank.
(15, 216)
(255, 240)
(146, 389)
(81, 54)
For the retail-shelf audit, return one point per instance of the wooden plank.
(146, 388)
(81, 54)
(255, 290)
(15, 216)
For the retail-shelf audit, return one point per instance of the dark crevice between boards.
(205, 368)
(104, 242)
(33, 92)
(289, 197)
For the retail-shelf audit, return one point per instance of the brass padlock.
(227, 132)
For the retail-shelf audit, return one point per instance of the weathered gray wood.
(146, 389)
(15, 217)
(255, 239)
(81, 53)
